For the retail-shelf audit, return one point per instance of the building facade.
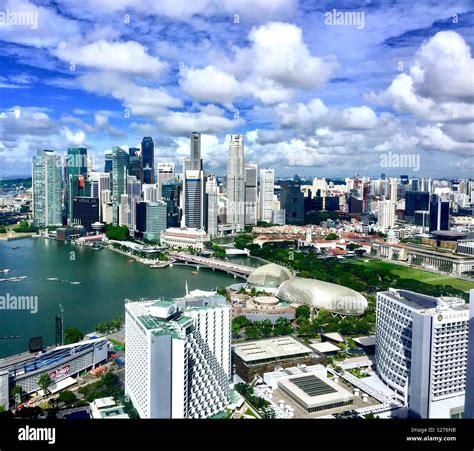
(236, 182)
(266, 193)
(421, 351)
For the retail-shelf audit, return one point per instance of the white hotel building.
(178, 357)
(421, 351)
(184, 238)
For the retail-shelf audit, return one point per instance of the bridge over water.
(230, 268)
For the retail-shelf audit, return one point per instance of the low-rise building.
(184, 238)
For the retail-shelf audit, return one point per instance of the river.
(107, 279)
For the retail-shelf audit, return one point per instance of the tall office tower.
(194, 187)
(100, 182)
(106, 215)
(469, 397)
(47, 189)
(134, 192)
(75, 172)
(292, 201)
(165, 173)
(174, 359)
(119, 179)
(108, 161)
(135, 164)
(393, 189)
(124, 210)
(250, 194)
(171, 193)
(195, 162)
(148, 158)
(150, 192)
(386, 214)
(266, 193)
(212, 194)
(439, 213)
(421, 350)
(151, 219)
(236, 182)
(416, 200)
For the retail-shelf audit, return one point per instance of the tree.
(72, 335)
(303, 311)
(44, 382)
(282, 326)
(67, 397)
(3, 229)
(117, 233)
(243, 240)
(331, 236)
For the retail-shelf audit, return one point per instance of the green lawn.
(408, 272)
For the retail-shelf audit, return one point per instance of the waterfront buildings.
(151, 219)
(184, 238)
(236, 182)
(175, 358)
(85, 211)
(148, 158)
(266, 193)
(421, 351)
(47, 189)
(135, 167)
(171, 193)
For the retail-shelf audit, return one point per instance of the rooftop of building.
(273, 348)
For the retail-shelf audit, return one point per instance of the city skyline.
(310, 106)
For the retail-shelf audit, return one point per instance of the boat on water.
(159, 265)
(131, 260)
(195, 273)
(52, 278)
(76, 283)
(15, 247)
(5, 270)
(13, 279)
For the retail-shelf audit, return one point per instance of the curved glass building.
(268, 277)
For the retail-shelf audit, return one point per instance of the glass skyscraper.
(119, 179)
(148, 158)
(47, 189)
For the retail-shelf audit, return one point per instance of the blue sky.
(311, 98)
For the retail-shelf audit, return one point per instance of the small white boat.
(5, 270)
(76, 283)
(52, 278)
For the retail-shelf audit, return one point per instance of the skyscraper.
(119, 179)
(266, 193)
(416, 200)
(77, 183)
(292, 201)
(421, 349)
(165, 172)
(178, 358)
(135, 166)
(236, 182)
(250, 194)
(171, 193)
(195, 162)
(393, 190)
(194, 187)
(439, 213)
(151, 219)
(212, 194)
(108, 161)
(47, 189)
(148, 158)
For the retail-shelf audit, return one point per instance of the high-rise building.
(195, 162)
(47, 189)
(421, 350)
(194, 187)
(100, 182)
(108, 161)
(212, 194)
(135, 165)
(85, 211)
(469, 397)
(178, 358)
(171, 193)
(416, 200)
(439, 213)
(119, 179)
(148, 158)
(250, 194)
(386, 214)
(236, 182)
(77, 183)
(165, 172)
(292, 201)
(393, 190)
(151, 219)
(266, 194)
